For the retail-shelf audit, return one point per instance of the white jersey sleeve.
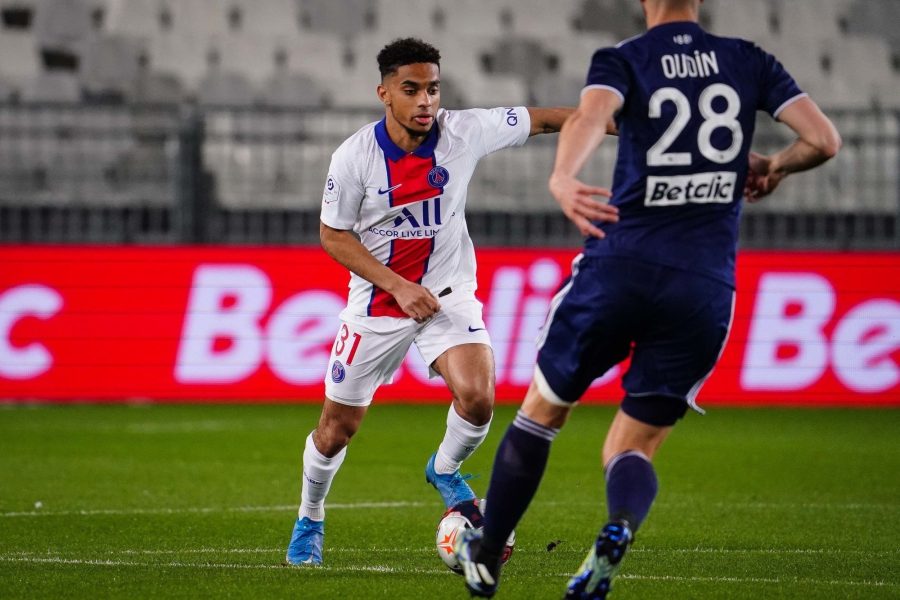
(490, 129)
(344, 192)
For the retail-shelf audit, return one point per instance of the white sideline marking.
(538, 550)
(762, 551)
(812, 505)
(203, 510)
(387, 569)
(179, 564)
(797, 580)
(360, 505)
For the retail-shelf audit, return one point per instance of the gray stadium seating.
(272, 61)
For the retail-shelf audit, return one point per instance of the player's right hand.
(578, 204)
(417, 301)
(762, 179)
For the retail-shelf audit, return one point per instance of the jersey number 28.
(712, 120)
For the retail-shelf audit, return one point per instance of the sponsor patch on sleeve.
(332, 190)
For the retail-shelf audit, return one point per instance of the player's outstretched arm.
(550, 120)
(580, 136)
(817, 141)
(343, 246)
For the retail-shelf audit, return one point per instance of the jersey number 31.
(712, 120)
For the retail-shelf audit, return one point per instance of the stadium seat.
(225, 88)
(63, 26)
(535, 18)
(468, 17)
(620, 18)
(887, 93)
(803, 61)
(522, 56)
(740, 18)
(809, 21)
(875, 17)
(17, 15)
(320, 54)
(183, 56)
(109, 67)
(488, 91)
(154, 87)
(344, 19)
(200, 18)
(52, 87)
(574, 51)
(402, 18)
(8, 91)
(556, 89)
(274, 18)
(19, 57)
(861, 62)
(253, 56)
(286, 89)
(138, 19)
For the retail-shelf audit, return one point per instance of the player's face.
(412, 96)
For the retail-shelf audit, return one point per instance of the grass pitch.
(199, 501)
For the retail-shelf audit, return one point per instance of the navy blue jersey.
(689, 108)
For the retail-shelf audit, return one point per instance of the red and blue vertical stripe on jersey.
(409, 182)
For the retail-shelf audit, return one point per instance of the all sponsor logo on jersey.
(338, 372)
(512, 119)
(422, 221)
(699, 188)
(438, 177)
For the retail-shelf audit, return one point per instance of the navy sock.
(630, 487)
(518, 468)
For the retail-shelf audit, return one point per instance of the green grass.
(199, 501)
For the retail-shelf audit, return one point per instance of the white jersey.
(409, 208)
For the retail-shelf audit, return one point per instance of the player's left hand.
(578, 204)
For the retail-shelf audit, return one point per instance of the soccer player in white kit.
(393, 214)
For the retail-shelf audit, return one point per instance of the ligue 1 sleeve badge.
(438, 177)
(337, 372)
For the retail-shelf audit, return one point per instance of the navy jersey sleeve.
(609, 70)
(777, 87)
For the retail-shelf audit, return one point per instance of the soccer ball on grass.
(457, 519)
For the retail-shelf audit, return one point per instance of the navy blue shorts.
(674, 323)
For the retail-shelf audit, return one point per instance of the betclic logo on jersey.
(699, 188)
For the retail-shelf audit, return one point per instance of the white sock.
(460, 441)
(318, 471)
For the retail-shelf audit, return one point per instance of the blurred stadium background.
(213, 121)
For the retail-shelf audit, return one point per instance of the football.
(457, 519)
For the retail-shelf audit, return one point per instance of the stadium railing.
(178, 174)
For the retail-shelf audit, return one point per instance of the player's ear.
(383, 95)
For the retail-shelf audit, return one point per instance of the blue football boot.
(306, 543)
(594, 579)
(452, 487)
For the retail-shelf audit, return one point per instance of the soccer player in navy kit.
(657, 283)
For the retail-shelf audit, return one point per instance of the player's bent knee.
(330, 441)
(475, 408)
(657, 410)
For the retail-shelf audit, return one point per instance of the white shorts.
(368, 350)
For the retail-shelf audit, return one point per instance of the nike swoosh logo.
(389, 190)
(474, 329)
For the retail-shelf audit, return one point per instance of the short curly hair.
(406, 51)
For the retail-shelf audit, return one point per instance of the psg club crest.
(438, 177)
(337, 372)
